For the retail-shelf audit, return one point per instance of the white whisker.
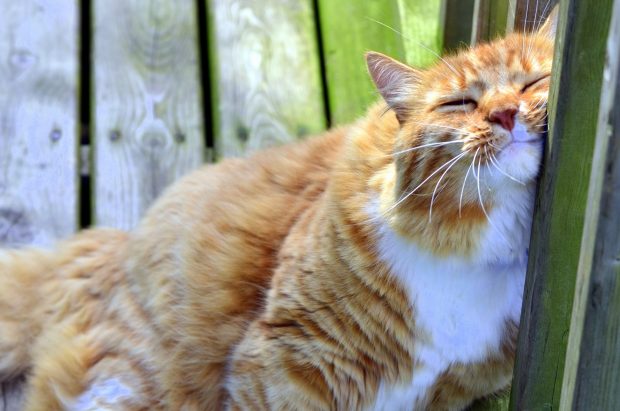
(424, 146)
(446, 164)
(493, 161)
(479, 193)
(430, 210)
(463, 188)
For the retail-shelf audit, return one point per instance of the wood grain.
(38, 130)
(592, 376)
(148, 121)
(561, 203)
(265, 74)
(38, 146)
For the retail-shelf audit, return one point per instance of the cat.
(379, 266)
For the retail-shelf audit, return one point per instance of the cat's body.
(319, 275)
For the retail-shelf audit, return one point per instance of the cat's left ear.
(550, 27)
(394, 80)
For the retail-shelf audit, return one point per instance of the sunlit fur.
(327, 274)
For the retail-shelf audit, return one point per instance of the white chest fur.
(461, 305)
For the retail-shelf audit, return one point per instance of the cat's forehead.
(497, 64)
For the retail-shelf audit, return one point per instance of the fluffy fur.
(379, 266)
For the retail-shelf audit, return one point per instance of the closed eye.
(460, 104)
(534, 83)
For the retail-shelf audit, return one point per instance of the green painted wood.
(406, 30)
(148, 121)
(489, 20)
(38, 121)
(421, 26)
(560, 206)
(349, 88)
(592, 373)
(265, 73)
(528, 15)
(457, 23)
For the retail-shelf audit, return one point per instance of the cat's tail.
(36, 289)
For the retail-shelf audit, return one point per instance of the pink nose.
(505, 118)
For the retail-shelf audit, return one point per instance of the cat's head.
(471, 126)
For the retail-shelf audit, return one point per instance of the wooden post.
(592, 372)
(560, 208)
(265, 73)
(148, 121)
(38, 126)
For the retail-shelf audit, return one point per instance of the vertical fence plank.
(457, 17)
(527, 15)
(559, 211)
(148, 119)
(38, 121)
(38, 130)
(401, 29)
(266, 73)
(592, 372)
(489, 21)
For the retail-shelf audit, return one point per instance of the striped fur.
(346, 272)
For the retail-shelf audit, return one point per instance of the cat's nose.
(504, 117)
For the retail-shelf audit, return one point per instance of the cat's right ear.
(394, 80)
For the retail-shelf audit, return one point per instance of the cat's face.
(471, 126)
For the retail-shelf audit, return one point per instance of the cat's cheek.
(521, 160)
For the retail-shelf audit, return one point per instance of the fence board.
(562, 197)
(592, 376)
(38, 129)
(457, 17)
(147, 118)
(266, 73)
(490, 19)
(401, 29)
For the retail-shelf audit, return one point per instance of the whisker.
(440, 126)
(430, 210)
(494, 162)
(463, 188)
(407, 150)
(447, 163)
(479, 193)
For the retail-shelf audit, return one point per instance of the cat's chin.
(517, 164)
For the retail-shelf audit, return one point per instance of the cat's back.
(202, 258)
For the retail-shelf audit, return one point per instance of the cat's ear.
(550, 27)
(394, 80)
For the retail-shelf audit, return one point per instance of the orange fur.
(256, 283)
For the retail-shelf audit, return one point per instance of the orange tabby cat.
(379, 266)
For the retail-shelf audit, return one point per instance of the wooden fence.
(104, 103)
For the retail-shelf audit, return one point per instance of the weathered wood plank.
(489, 20)
(561, 202)
(148, 121)
(38, 128)
(457, 17)
(265, 73)
(406, 30)
(592, 373)
(528, 15)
